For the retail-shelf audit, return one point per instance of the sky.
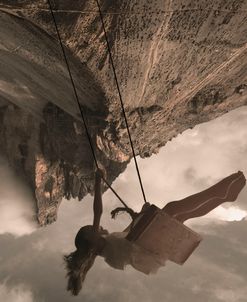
(32, 268)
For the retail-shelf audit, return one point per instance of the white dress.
(164, 239)
(119, 252)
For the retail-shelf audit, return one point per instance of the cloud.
(229, 214)
(230, 295)
(15, 294)
(17, 207)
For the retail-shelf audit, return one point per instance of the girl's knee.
(169, 208)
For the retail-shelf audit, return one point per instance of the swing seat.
(164, 236)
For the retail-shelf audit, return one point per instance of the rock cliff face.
(179, 63)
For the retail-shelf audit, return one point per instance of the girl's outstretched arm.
(97, 204)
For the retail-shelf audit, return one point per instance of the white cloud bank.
(15, 294)
(17, 207)
(228, 214)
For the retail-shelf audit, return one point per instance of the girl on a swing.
(92, 240)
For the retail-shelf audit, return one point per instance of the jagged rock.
(179, 63)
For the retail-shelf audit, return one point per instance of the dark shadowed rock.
(179, 64)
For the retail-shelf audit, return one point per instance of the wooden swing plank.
(164, 236)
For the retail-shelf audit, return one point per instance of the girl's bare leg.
(203, 202)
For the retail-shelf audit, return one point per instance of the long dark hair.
(79, 262)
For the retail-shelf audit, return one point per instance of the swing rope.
(79, 105)
(121, 99)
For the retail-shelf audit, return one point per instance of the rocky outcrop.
(179, 63)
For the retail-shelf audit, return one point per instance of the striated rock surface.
(179, 63)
